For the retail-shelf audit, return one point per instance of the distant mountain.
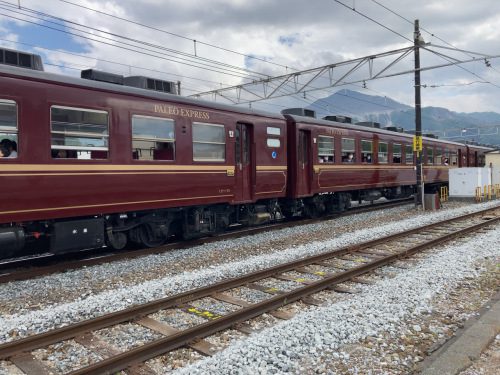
(386, 111)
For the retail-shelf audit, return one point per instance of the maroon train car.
(332, 163)
(100, 163)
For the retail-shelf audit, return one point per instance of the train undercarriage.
(154, 228)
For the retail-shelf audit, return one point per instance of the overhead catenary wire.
(185, 58)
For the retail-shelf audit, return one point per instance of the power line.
(176, 35)
(34, 46)
(187, 60)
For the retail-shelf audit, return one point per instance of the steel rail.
(169, 343)
(96, 259)
(44, 339)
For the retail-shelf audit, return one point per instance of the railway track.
(304, 277)
(31, 267)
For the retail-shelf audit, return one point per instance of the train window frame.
(396, 154)
(162, 149)
(10, 132)
(366, 154)
(346, 152)
(63, 151)
(409, 156)
(211, 143)
(326, 154)
(429, 155)
(454, 157)
(383, 156)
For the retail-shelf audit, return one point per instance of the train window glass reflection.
(209, 142)
(409, 154)
(78, 133)
(396, 153)
(8, 128)
(430, 155)
(326, 149)
(438, 157)
(367, 151)
(382, 152)
(348, 150)
(153, 138)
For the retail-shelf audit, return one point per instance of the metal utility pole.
(417, 140)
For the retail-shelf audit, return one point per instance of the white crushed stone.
(88, 306)
(383, 307)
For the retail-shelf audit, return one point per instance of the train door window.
(453, 158)
(8, 129)
(366, 151)
(409, 154)
(348, 150)
(209, 142)
(438, 157)
(430, 155)
(79, 133)
(326, 149)
(396, 153)
(153, 138)
(383, 155)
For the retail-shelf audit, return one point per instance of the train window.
(438, 157)
(209, 142)
(366, 151)
(383, 152)
(446, 157)
(153, 138)
(430, 155)
(409, 154)
(348, 150)
(396, 153)
(273, 131)
(79, 133)
(326, 149)
(8, 128)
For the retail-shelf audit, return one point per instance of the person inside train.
(11, 146)
(4, 151)
(350, 158)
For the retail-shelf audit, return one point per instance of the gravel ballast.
(297, 346)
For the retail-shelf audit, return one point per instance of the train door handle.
(240, 166)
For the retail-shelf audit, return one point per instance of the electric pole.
(417, 140)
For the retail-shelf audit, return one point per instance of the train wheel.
(117, 240)
(148, 235)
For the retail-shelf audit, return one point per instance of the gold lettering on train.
(176, 111)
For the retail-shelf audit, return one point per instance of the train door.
(304, 166)
(243, 159)
(462, 162)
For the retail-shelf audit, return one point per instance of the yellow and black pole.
(417, 140)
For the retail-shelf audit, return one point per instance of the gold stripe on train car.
(112, 204)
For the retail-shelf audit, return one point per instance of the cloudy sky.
(238, 41)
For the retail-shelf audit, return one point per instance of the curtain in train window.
(8, 128)
(79, 133)
(209, 142)
(153, 138)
